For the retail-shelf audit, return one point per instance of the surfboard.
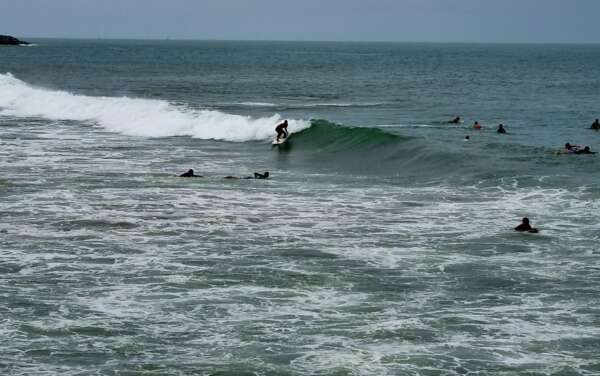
(281, 141)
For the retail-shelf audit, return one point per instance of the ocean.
(382, 243)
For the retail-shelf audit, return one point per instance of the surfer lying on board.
(189, 174)
(456, 120)
(526, 227)
(575, 149)
(281, 130)
(259, 176)
(569, 149)
(256, 176)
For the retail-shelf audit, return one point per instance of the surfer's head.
(525, 221)
(266, 174)
(568, 146)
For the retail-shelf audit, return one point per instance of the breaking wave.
(134, 116)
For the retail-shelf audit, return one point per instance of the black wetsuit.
(281, 130)
(261, 176)
(189, 174)
(526, 227)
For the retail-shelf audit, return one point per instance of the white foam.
(257, 104)
(339, 104)
(134, 116)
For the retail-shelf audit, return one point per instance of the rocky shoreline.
(11, 41)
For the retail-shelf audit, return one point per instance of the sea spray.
(135, 116)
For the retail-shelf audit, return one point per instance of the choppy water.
(382, 245)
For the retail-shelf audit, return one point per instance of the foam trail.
(131, 116)
(257, 104)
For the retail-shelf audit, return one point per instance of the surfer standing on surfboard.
(281, 130)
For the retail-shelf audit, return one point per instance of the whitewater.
(134, 116)
(381, 244)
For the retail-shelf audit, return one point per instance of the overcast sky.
(353, 20)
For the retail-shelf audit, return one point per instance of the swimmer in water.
(456, 120)
(467, 138)
(586, 150)
(477, 126)
(526, 227)
(595, 125)
(501, 129)
(189, 174)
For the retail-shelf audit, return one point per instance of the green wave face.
(372, 151)
(332, 137)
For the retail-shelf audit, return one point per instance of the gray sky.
(357, 20)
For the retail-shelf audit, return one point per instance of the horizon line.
(184, 39)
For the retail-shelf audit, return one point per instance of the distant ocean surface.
(382, 244)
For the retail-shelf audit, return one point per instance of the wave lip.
(134, 116)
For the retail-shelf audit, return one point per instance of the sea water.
(382, 244)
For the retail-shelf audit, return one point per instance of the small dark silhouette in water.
(595, 125)
(467, 138)
(526, 227)
(189, 174)
(576, 149)
(477, 126)
(260, 176)
(256, 176)
(501, 129)
(456, 120)
(586, 150)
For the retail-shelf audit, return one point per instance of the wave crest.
(134, 116)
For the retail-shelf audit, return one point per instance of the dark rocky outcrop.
(7, 39)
